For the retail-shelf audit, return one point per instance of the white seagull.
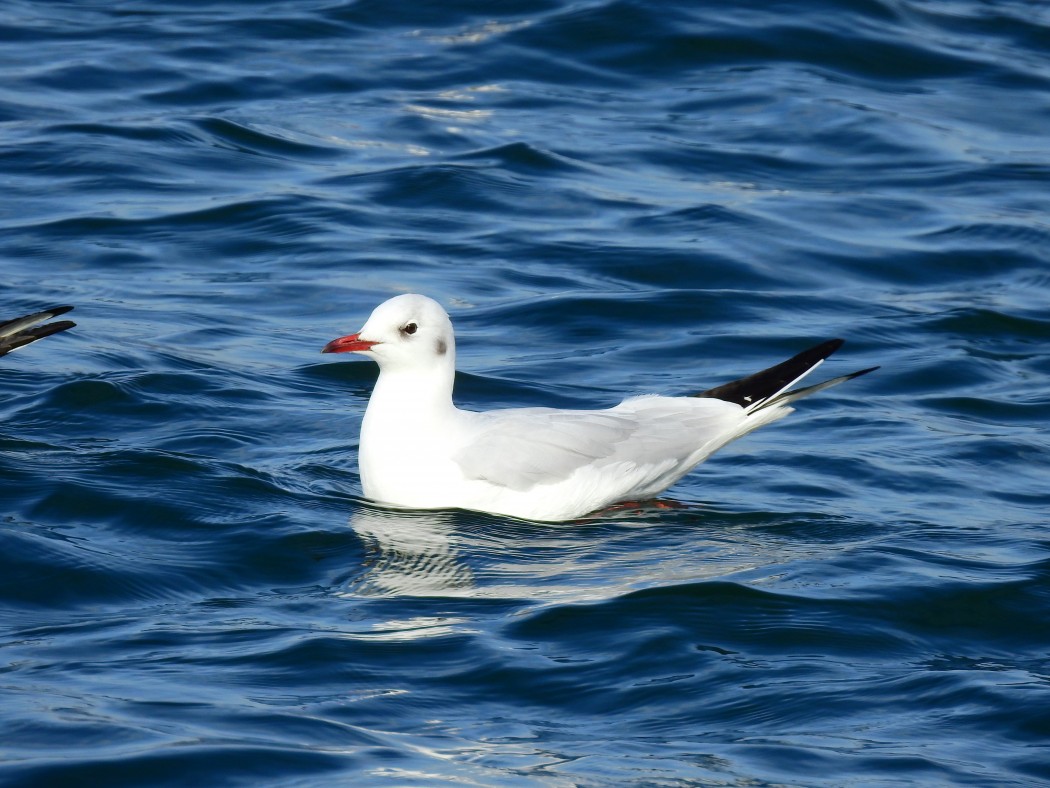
(419, 451)
(21, 331)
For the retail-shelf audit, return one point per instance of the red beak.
(350, 344)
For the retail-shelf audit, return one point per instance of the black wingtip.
(860, 372)
(747, 392)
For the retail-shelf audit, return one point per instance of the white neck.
(409, 395)
(406, 431)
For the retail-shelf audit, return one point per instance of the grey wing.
(522, 448)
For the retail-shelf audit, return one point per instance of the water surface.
(610, 198)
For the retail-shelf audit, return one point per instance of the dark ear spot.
(442, 347)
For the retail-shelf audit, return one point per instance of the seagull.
(419, 451)
(22, 330)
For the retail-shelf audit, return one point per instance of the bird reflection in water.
(410, 553)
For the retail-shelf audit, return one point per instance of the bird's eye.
(409, 328)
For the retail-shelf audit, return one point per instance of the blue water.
(610, 198)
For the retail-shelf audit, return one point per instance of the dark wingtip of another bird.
(24, 330)
(52, 328)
